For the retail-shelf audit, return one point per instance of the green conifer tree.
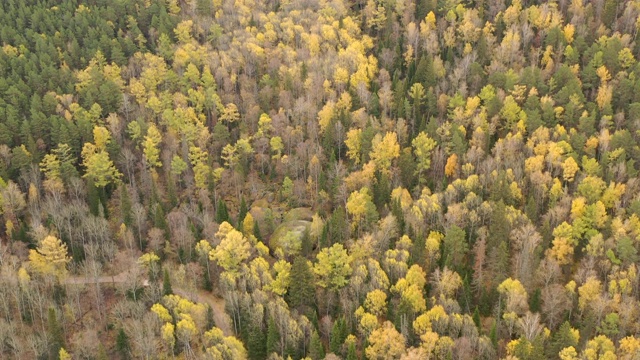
(316, 350)
(122, 344)
(56, 334)
(273, 337)
(338, 335)
(166, 283)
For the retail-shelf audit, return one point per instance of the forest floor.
(217, 304)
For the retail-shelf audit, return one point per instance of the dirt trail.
(221, 319)
(113, 279)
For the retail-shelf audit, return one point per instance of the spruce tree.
(221, 212)
(493, 335)
(273, 337)
(561, 339)
(256, 231)
(242, 213)
(256, 341)
(351, 352)
(316, 350)
(301, 291)
(56, 334)
(122, 344)
(476, 317)
(166, 283)
(338, 335)
(93, 198)
(307, 245)
(534, 301)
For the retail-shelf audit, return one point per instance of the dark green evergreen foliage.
(166, 283)
(329, 139)
(499, 226)
(242, 212)
(93, 198)
(407, 165)
(78, 35)
(367, 136)
(499, 261)
(122, 345)
(307, 244)
(493, 334)
(534, 301)
(396, 211)
(455, 247)
(476, 318)
(339, 333)
(55, 333)
(159, 219)
(337, 227)
(316, 349)
(626, 250)
(381, 191)
(222, 214)
(256, 231)
(273, 338)
(302, 290)
(525, 349)
(257, 341)
(561, 339)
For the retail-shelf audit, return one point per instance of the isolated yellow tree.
(452, 167)
(50, 258)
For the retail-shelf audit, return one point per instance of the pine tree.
(256, 231)
(256, 342)
(307, 246)
(93, 198)
(351, 352)
(166, 283)
(301, 291)
(273, 337)
(221, 212)
(534, 301)
(499, 227)
(242, 213)
(476, 317)
(493, 335)
(316, 350)
(338, 335)
(122, 344)
(561, 339)
(55, 334)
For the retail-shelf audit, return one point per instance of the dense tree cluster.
(319, 179)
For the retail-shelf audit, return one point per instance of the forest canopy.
(367, 179)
